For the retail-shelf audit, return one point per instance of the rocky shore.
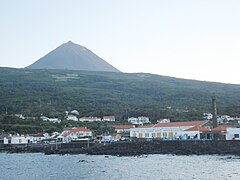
(135, 148)
(168, 147)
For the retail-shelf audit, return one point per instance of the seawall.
(125, 148)
(169, 147)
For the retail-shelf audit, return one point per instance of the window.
(146, 134)
(165, 135)
(236, 135)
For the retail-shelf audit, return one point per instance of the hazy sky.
(193, 39)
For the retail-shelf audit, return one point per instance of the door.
(158, 135)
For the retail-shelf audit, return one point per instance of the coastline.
(135, 148)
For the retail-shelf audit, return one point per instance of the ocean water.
(29, 166)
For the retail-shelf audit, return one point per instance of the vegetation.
(52, 92)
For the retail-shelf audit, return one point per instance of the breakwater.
(124, 148)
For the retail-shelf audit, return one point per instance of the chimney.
(214, 112)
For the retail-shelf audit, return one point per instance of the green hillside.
(52, 92)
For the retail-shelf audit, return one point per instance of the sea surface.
(29, 166)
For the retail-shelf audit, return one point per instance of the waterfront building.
(16, 139)
(40, 137)
(142, 132)
(75, 134)
(218, 132)
(172, 130)
(232, 133)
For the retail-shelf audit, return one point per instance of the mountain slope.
(73, 57)
(52, 92)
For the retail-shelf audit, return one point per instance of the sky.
(191, 39)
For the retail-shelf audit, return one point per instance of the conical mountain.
(73, 57)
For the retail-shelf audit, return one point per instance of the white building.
(163, 121)
(207, 116)
(233, 133)
(123, 128)
(225, 119)
(143, 119)
(106, 138)
(53, 120)
(74, 112)
(71, 117)
(132, 120)
(20, 116)
(108, 118)
(17, 139)
(75, 134)
(139, 121)
(173, 130)
(142, 132)
(89, 119)
(38, 138)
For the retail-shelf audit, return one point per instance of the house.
(75, 134)
(74, 112)
(172, 130)
(20, 116)
(218, 132)
(3, 138)
(123, 128)
(232, 133)
(163, 121)
(133, 120)
(40, 137)
(207, 116)
(142, 132)
(196, 132)
(89, 119)
(143, 119)
(53, 120)
(106, 138)
(16, 139)
(71, 117)
(139, 121)
(108, 118)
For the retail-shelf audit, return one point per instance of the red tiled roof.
(186, 123)
(197, 128)
(123, 126)
(221, 128)
(84, 129)
(76, 129)
(108, 116)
